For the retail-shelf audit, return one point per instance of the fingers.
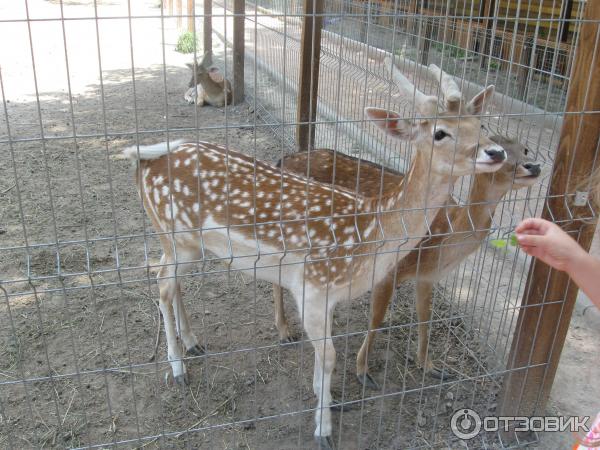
(530, 240)
(533, 226)
(535, 252)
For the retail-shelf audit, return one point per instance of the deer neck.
(418, 200)
(484, 197)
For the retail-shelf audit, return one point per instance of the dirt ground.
(78, 317)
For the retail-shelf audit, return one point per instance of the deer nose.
(534, 169)
(495, 154)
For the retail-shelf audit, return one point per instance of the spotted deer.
(456, 232)
(319, 241)
(207, 85)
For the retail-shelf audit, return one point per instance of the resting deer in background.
(456, 232)
(323, 243)
(207, 86)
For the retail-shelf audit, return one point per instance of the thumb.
(530, 240)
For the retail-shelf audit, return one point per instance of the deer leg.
(380, 300)
(167, 285)
(200, 95)
(190, 96)
(320, 335)
(280, 320)
(424, 290)
(184, 330)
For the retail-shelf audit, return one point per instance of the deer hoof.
(324, 442)
(440, 374)
(288, 340)
(182, 380)
(367, 381)
(340, 407)
(196, 350)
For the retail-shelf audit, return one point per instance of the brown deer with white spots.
(456, 232)
(324, 244)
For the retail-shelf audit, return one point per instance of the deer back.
(351, 173)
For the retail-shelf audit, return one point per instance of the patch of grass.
(450, 50)
(187, 43)
(494, 65)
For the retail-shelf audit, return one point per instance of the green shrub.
(494, 65)
(450, 50)
(187, 43)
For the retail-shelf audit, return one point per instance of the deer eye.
(440, 134)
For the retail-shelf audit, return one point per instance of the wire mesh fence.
(84, 362)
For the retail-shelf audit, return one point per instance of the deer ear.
(478, 103)
(391, 122)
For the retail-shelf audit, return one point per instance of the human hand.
(549, 243)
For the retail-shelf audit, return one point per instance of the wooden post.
(364, 26)
(563, 30)
(427, 31)
(550, 296)
(310, 54)
(525, 63)
(170, 7)
(207, 48)
(191, 15)
(239, 9)
(486, 45)
(179, 12)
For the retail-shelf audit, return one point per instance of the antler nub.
(449, 88)
(424, 104)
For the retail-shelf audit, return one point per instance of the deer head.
(199, 71)
(450, 137)
(520, 169)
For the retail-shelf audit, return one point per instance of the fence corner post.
(549, 295)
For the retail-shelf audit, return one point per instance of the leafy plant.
(504, 243)
(453, 51)
(187, 43)
(494, 65)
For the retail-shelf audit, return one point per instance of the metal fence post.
(312, 24)
(549, 297)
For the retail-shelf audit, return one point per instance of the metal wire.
(78, 253)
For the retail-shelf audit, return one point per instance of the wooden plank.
(207, 31)
(191, 16)
(485, 47)
(549, 296)
(310, 53)
(565, 20)
(179, 7)
(524, 69)
(239, 9)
